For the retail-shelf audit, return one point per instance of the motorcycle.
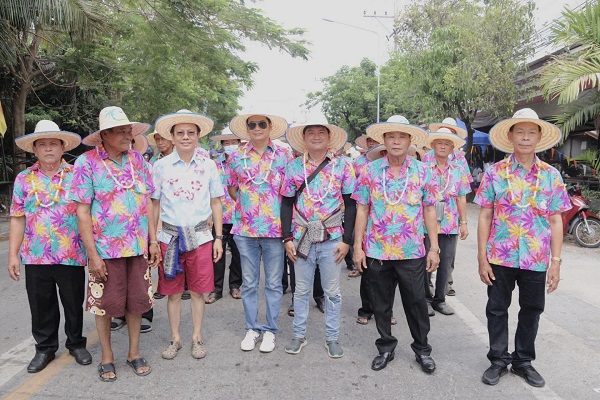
(580, 221)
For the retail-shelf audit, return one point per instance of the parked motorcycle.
(580, 221)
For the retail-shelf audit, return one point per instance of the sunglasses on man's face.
(261, 125)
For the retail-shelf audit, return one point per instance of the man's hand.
(155, 256)
(433, 261)
(340, 251)
(290, 250)
(486, 274)
(553, 276)
(97, 268)
(217, 250)
(14, 268)
(359, 258)
(464, 231)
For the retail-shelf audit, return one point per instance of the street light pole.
(378, 66)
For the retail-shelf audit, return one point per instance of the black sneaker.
(492, 375)
(530, 375)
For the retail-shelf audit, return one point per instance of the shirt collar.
(195, 158)
(514, 164)
(104, 154)
(250, 146)
(64, 166)
(408, 162)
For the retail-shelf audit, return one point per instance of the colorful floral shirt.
(323, 196)
(456, 157)
(185, 190)
(259, 179)
(522, 202)
(453, 183)
(119, 211)
(51, 233)
(226, 200)
(395, 227)
(360, 163)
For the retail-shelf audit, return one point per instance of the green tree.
(576, 70)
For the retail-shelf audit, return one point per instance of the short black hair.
(267, 118)
(513, 125)
(173, 127)
(62, 141)
(314, 126)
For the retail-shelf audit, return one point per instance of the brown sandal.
(362, 320)
(212, 298)
(236, 293)
(353, 274)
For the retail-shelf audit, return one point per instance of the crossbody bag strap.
(311, 177)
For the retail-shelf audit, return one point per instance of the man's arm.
(217, 216)
(556, 241)
(153, 247)
(96, 265)
(15, 239)
(232, 190)
(285, 214)
(484, 227)
(461, 204)
(433, 255)
(360, 228)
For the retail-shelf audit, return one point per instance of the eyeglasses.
(261, 125)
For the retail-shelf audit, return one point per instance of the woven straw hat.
(238, 125)
(140, 144)
(449, 123)
(112, 117)
(164, 123)
(446, 134)
(376, 152)
(551, 135)
(46, 129)
(226, 134)
(152, 140)
(397, 123)
(361, 142)
(337, 136)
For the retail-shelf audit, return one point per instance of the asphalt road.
(568, 349)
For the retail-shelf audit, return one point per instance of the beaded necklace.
(385, 196)
(114, 178)
(53, 199)
(329, 185)
(252, 179)
(510, 191)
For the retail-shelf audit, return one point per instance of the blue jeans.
(320, 254)
(251, 251)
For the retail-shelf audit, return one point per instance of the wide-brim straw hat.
(226, 134)
(347, 147)
(239, 128)
(361, 142)
(164, 123)
(376, 152)
(337, 137)
(445, 134)
(140, 144)
(152, 140)
(449, 123)
(46, 129)
(397, 123)
(551, 135)
(112, 117)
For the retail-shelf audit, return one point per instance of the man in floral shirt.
(164, 146)
(44, 236)
(520, 239)
(396, 197)
(318, 235)
(257, 171)
(112, 187)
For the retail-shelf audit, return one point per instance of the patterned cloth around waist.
(182, 239)
(315, 231)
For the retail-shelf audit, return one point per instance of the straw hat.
(337, 136)
(347, 147)
(361, 142)
(446, 134)
(140, 144)
(376, 152)
(152, 140)
(551, 135)
(239, 128)
(164, 123)
(226, 134)
(46, 129)
(397, 123)
(112, 117)
(449, 123)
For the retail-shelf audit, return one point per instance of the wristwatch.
(435, 250)
(557, 259)
(219, 237)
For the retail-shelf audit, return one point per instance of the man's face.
(371, 143)
(49, 151)
(525, 136)
(442, 147)
(230, 142)
(185, 137)
(258, 127)
(396, 143)
(163, 145)
(118, 138)
(316, 138)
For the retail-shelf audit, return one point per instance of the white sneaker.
(268, 342)
(250, 340)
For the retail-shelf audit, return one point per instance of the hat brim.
(152, 140)
(140, 144)
(94, 139)
(376, 152)
(457, 141)
(417, 134)
(239, 128)
(165, 122)
(435, 126)
(218, 138)
(361, 142)
(69, 139)
(551, 135)
(337, 137)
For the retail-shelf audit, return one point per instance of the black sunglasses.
(261, 125)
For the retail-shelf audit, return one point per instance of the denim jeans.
(447, 245)
(321, 254)
(532, 299)
(252, 249)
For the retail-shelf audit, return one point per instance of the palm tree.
(27, 27)
(572, 77)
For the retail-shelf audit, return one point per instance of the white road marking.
(16, 359)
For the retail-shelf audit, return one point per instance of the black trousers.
(409, 275)
(532, 298)
(447, 245)
(235, 267)
(41, 282)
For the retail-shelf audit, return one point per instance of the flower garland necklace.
(510, 191)
(252, 179)
(329, 185)
(385, 196)
(53, 199)
(114, 178)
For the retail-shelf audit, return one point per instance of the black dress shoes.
(39, 362)
(426, 362)
(82, 356)
(492, 375)
(382, 360)
(530, 375)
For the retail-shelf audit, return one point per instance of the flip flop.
(236, 293)
(353, 274)
(213, 297)
(362, 320)
(139, 363)
(104, 369)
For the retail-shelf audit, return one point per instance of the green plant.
(590, 157)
